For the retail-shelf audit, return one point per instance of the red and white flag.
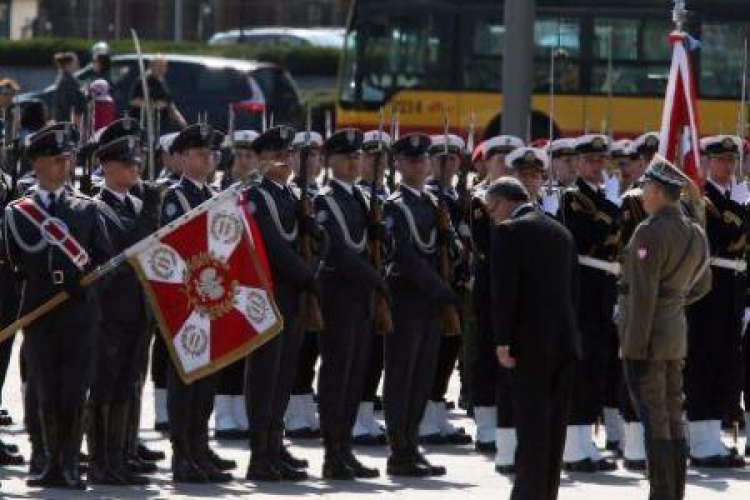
(679, 124)
(208, 282)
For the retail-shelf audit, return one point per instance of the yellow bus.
(611, 63)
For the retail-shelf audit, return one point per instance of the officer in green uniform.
(665, 269)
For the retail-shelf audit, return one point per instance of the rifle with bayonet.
(85, 184)
(450, 320)
(382, 313)
(394, 137)
(11, 149)
(311, 311)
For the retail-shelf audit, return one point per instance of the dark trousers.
(656, 389)
(597, 331)
(447, 358)
(159, 361)
(270, 370)
(411, 353)
(308, 357)
(117, 367)
(713, 369)
(6, 349)
(232, 379)
(344, 351)
(482, 363)
(506, 415)
(189, 407)
(541, 401)
(374, 369)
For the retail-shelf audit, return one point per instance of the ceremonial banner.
(679, 126)
(209, 285)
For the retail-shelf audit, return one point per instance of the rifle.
(451, 323)
(462, 183)
(84, 183)
(11, 149)
(146, 109)
(311, 311)
(382, 313)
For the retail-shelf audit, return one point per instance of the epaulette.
(635, 192)
(325, 191)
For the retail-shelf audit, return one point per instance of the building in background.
(18, 18)
(174, 19)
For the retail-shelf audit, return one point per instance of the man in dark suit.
(534, 266)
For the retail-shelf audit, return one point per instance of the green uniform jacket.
(665, 268)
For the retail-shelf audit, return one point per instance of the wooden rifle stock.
(382, 312)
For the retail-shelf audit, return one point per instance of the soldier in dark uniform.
(418, 294)
(230, 414)
(301, 419)
(190, 405)
(368, 431)
(59, 346)
(435, 428)
(348, 282)
(713, 366)
(665, 268)
(271, 368)
(123, 322)
(170, 174)
(482, 362)
(594, 222)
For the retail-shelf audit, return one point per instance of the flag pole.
(119, 259)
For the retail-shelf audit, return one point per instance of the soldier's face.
(532, 179)
(414, 169)
(565, 169)
(591, 167)
(346, 167)
(499, 209)
(198, 163)
(276, 165)
(121, 176)
(53, 171)
(721, 167)
(245, 161)
(452, 163)
(653, 197)
(496, 166)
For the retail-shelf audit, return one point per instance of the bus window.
(722, 53)
(563, 37)
(639, 52)
(482, 59)
(400, 51)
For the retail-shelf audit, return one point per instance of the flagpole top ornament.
(679, 14)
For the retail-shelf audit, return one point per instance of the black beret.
(345, 141)
(125, 149)
(52, 140)
(412, 145)
(199, 135)
(274, 139)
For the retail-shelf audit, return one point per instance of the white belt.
(738, 265)
(612, 268)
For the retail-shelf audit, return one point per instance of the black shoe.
(303, 433)
(37, 461)
(585, 465)
(505, 470)
(634, 465)
(291, 460)
(450, 405)
(6, 421)
(138, 466)
(184, 470)
(485, 447)
(9, 458)
(213, 474)
(221, 463)
(230, 434)
(433, 440)
(11, 448)
(335, 469)
(404, 465)
(459, 438)
(358, 468)
(370, 440)
(434, 470)
(149, 455)
(289, 473)
(613, 446)
(605, 465)
(261, 469)
(162, 427)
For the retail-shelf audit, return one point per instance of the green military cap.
(662, 171)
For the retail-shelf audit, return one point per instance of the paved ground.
(468, 474)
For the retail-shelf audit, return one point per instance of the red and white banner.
(679, 141)
(208, 282)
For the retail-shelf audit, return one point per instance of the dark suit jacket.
(534, 287)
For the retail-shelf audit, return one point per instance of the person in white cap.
(245, 166)
(593, 220)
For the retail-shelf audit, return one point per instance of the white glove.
(551, 204)
(612, 190)
(740, 193)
